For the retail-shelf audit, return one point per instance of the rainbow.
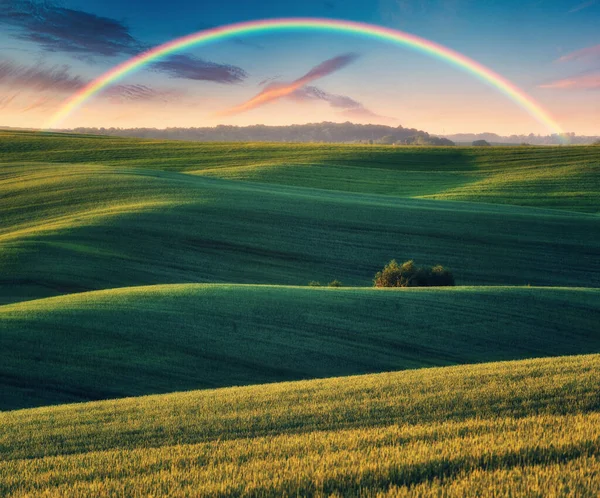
(274, 25)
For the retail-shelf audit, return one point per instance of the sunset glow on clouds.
(581, 54)
(589, 80)
(50, 50)
(276, 90)
(583, 82)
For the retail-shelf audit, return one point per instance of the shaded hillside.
(72, 227)
(127, 342)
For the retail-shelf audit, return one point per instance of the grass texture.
(528, 428)
(73, 228)
(551, 177)
(127, 342)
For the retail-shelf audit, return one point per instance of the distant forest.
(314, 132)
(530, 139)
(327, 132)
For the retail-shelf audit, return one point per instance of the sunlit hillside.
(530, 427)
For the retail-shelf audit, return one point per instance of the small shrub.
(410, 275)
(335, 283)
(441, 277)
(395, 275)
(314, 283)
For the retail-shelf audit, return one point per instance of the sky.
(51, 49)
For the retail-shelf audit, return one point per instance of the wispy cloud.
(582, 6)
(348, 107)
(40, 78)
(49, 85)
(192, 68)
(38, 103)
(56, 28)
(582, 82)
(87, 36)
(593, 51)
(328, 67)
(314, 93)
(5, 100)
(269, 80)
(139, 93)
(276, 91)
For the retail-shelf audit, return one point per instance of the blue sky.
(551, 50)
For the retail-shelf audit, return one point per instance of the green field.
(127, 342)
(73, 227)
(528, 428)
(552, 177)
(135, 267)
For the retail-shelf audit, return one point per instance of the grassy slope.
(531, 428)
(551, 177)
(85, 213)
(128, 342)
(70, 228)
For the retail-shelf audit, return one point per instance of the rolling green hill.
(551, 177)
(76, 227)
(90, 213)
(134, 267)
(127, 342)
(529, 428)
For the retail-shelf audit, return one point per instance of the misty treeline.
(531, 139)
(325, 132)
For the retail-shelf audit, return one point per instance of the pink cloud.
(276, 91)
(585, 82)
(593, 51)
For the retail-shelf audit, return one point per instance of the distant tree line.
(418, 139)
(325, 132)
(531, 139)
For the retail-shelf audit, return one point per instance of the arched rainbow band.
(273, 25)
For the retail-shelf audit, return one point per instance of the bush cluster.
(333, 283)
(410, 275)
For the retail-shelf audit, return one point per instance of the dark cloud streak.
(314, 93)
(270, 79)
(349, 107)
(84, 35)
(329, 66)
(192, 68)
(57, 29)
(139, 93)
